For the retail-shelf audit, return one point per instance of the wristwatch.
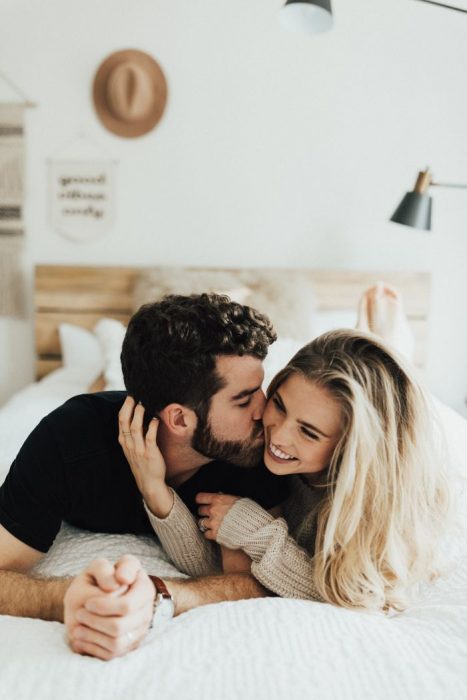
(164, 605)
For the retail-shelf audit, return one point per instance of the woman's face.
(302, 426)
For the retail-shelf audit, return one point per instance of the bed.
(268, 648)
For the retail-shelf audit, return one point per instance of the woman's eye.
(307, 433)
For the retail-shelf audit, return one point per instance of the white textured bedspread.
(258, 649)
(268, 648)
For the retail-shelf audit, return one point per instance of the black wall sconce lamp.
(415, 207)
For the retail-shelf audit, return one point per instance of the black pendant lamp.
(315, 16)
(310, 16)
(446, 7)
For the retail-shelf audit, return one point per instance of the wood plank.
(83, 288)
(45, 366)
(79, 277)
(336, 290)
(103, 300)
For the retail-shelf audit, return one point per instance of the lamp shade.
(311, 16)
(414, 210)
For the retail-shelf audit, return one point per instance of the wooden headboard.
(82, 295)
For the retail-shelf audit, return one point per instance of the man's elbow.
(16, 555)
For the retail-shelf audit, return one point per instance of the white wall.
(275, 149)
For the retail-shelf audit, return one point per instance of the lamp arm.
(448, 184)
(441, 4)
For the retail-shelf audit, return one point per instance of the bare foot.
(381, 311)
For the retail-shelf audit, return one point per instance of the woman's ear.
(178, 419)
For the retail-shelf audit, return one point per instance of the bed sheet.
(268, 648)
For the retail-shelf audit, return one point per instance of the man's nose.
(260, 403)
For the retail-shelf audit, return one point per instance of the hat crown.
(130, 92)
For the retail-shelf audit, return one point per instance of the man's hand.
(144, 457)
(108, 609)
(213, 509)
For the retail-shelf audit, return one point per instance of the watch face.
(164, 611)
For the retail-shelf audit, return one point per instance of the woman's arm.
(181, 538)
(215, 507)
(278, 563)
(190, 551)
(171, 520)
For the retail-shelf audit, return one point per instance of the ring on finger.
(126, 433)
(202, 524)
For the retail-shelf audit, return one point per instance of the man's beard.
(246, 453)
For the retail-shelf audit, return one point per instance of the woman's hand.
(144, 457)
(213, 509)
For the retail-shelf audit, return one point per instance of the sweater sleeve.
(181, 538)
(277, 560)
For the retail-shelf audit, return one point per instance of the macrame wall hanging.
(11, 198)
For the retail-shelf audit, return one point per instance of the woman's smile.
(278, 455)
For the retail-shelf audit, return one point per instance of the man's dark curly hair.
(170, 348)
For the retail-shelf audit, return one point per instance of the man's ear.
(178, 419)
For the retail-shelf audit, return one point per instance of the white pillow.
(64, 377)
(324, 321)
(238, 294)
(110, 334)
(286, 296)
(285, 348)
(153, 284)
(455, 432)
(81, 352)
(278, 355)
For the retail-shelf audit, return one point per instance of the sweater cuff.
(174, 521)
(243, 519)
(181, 539)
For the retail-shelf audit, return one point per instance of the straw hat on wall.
(129, 93)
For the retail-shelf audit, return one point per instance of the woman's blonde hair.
(387, 498)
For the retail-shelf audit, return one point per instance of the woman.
(369, 495)
(352, 430)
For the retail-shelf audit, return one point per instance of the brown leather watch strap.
(160, 586)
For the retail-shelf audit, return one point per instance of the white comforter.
(270, 648)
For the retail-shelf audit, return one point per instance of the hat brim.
(121, 127)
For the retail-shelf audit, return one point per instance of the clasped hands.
(108, 608)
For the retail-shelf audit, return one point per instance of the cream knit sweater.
(281, 549)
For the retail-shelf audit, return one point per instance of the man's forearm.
(191, 593)
(24, 596)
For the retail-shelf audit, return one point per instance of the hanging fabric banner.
(11, 208)
(81, 192)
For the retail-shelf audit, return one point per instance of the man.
(195, 363)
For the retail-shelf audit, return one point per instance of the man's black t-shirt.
(72, 468)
